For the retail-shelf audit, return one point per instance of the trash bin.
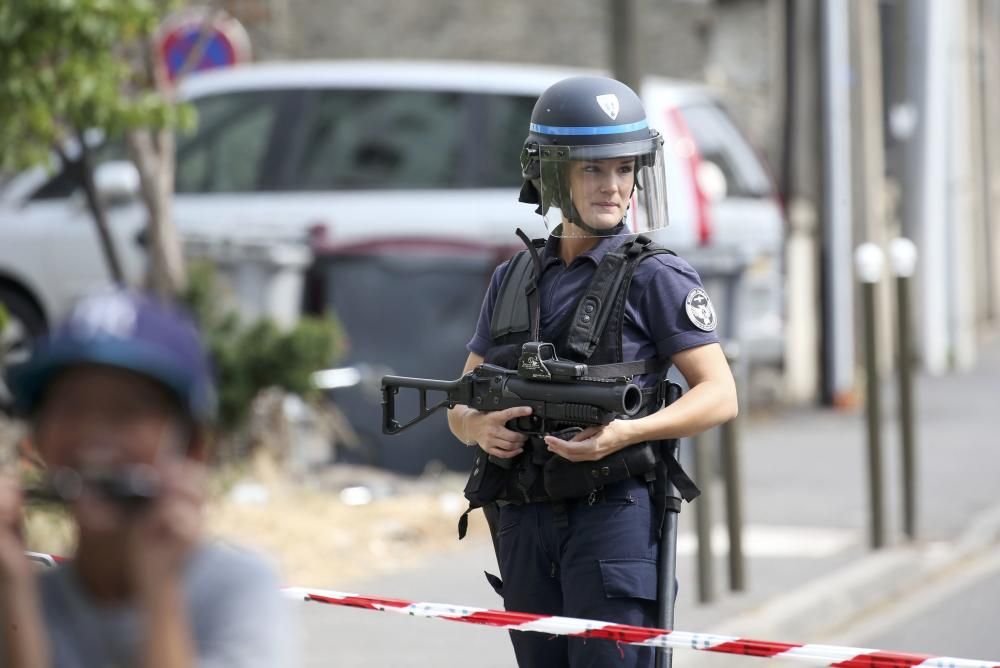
(721, 271)
(414, 316)
(265, 276)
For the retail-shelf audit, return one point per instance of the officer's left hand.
(589, 445)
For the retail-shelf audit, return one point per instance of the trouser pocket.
(629, 578)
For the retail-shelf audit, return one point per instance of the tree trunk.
(85, 166)
(153, 154)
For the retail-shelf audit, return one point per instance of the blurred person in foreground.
(120, 398)
(580, 514)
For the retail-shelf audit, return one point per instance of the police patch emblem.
(700, 311)
(609, 103)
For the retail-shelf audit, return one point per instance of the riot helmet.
(591, 162)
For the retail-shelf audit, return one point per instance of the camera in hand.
(130, 487)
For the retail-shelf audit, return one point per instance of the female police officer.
(595, 169)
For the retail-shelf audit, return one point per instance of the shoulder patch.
(700, 311)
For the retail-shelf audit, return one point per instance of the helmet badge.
(609, 103)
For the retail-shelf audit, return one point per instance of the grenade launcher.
(559, 393)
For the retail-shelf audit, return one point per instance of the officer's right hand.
(488, 429)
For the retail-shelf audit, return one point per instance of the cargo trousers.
(593, 558)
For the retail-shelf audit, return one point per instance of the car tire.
(24, 324)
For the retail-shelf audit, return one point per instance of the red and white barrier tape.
(44, 559)
(816, 655)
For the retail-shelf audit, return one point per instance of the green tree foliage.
(71, 65)
(250, 357)
(68, 67)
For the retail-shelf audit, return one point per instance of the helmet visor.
(589, 190)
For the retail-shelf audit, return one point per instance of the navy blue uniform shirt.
(656, 321)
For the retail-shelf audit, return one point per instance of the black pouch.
(486, 484)
(564, 479)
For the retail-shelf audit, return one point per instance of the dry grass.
(48, 530)
(319, 541)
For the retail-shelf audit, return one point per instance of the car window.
(506, 123)
(373, 139)
(228, 150)
(719, 141)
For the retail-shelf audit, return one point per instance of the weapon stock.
(455, 391)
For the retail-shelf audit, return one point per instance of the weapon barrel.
(622, 398)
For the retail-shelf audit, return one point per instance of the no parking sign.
(212, 37)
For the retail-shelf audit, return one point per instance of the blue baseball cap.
(126, 330)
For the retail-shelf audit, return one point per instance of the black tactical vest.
(590, 334)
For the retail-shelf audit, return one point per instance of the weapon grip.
(525, 424)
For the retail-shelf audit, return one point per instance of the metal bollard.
(729, 434)
(704, 472)
(722, 274)
(869, 260)
(903, 254)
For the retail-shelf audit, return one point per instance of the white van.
(362, 151)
